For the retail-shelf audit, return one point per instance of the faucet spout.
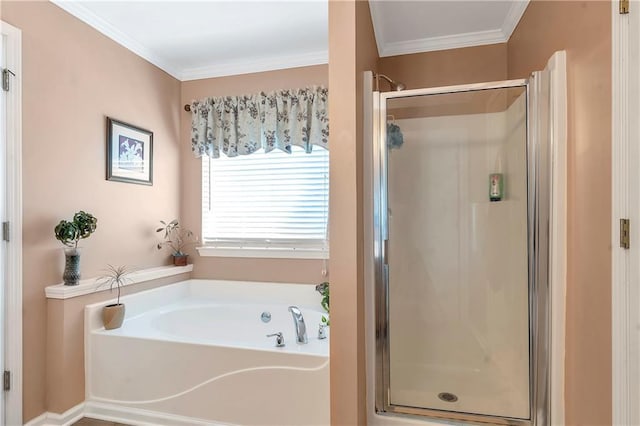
(298, 323)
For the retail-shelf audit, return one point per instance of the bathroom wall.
(583, 29)
(447, 67)
(72, 78)
(352, 50)
(278, 270)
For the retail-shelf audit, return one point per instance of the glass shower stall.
(461, 210)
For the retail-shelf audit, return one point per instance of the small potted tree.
(177, 239)
(323, 289)
(69, 233)
(114, 276)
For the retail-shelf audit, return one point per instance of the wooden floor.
(93, 422)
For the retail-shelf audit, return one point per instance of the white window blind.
(273, 200)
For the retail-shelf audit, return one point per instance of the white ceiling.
(404, 27)
(201, 39)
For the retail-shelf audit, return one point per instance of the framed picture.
(129, 153)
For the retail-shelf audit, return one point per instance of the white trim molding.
(557, 67)
(13, 305)
(454, 41)
(433, 44)
(264, 252)
(625, 263)
(61, 291)
(214, 69)
(84, 14)
(217, 69)
(69, 417)
(116, 413)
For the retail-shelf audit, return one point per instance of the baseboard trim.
(141, 417)
(69, 417)
(118, 414)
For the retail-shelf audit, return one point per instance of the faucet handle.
(279, 339)
(322, 331)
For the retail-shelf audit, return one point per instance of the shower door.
(454, 307)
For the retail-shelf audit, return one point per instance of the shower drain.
(447, 397)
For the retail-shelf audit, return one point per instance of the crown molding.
(455, 41)
(78, 10)
(513, 17)
(245, 66)
(432, 44)
(376, 20)
(251, 65)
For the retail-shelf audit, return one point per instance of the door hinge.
(6, 381)
(624, 6)
(624, 233)
(5, 231)
(6, 73)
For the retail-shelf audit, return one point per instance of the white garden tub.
(196, 352)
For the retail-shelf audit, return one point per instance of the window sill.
(264, 252)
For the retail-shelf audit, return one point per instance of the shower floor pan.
(487, 391)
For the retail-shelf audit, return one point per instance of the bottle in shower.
(496, 186)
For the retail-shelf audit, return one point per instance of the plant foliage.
(81, 226)
(323, 289)
(175, 237)
(114, 276)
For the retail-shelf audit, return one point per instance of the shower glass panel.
(458, 319)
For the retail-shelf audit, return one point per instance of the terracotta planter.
(112, 316)
(180, 260)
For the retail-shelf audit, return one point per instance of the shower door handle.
(385, 252)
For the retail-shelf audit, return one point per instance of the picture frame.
(129, 153)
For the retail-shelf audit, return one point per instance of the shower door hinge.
(6, 380)
(624, 233)
(624, 7)
(5, 231)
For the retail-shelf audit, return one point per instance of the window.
(266, 205)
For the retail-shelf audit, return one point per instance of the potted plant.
(323, 289)
(114, 276)
(176, 238)
(69, 233)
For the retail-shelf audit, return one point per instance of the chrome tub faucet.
(298, 323)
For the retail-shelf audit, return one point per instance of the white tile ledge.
(61, 291)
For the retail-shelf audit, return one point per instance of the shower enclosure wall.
(461, 195)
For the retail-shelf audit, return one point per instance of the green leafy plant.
(80, 227)
(176, 237)
(323, 289)
(114, 276)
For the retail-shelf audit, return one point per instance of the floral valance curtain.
(241, 125)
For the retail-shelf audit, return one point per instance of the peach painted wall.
(352, 50)
(583, 29)
(447, 67)
(277, 270)
(73, 77)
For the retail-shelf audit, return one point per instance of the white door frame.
(13, 343)
(625, 162)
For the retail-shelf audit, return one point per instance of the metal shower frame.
(538, 201)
